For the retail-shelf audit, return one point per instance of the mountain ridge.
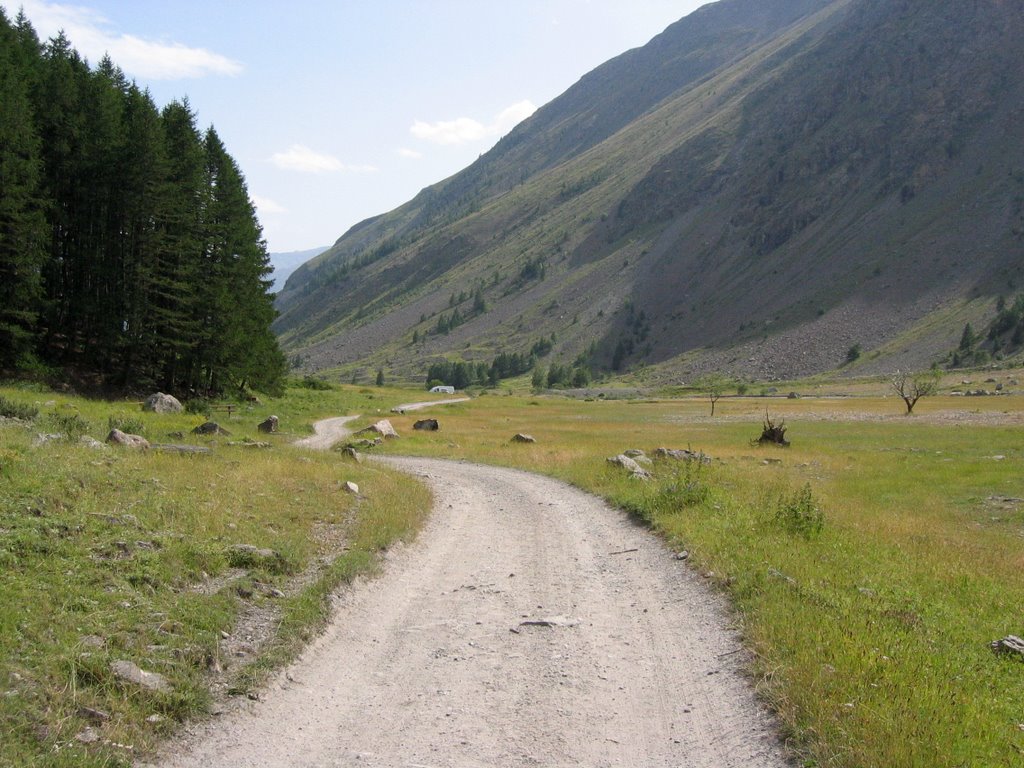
(820, 169)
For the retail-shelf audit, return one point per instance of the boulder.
(635, 470)
(210, 428)
(1011, 645)
(178, 448)
(364, 445)
(93, 715)
(351, 487)
(158, 402)
(131, 673)
(682, 455)
(429, 425)
(249, 556)
(88, 736)
(521, 438)
(268, 426)
(92, 442)
(117, 437)
(350, 452)
(382, 428)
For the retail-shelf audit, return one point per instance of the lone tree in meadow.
(912, 387)
(714, 385)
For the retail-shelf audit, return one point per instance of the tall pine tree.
(238, 291)
(21, 219)
(175, 275)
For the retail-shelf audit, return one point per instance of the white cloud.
(305, 160)
(512, 116)
(464, 130)
(91, 34)
(162, 61)
(266, 206)
(458, 131)
(410, 154)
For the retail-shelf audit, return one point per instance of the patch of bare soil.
(529, 625)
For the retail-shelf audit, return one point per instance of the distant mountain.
(286, 263)
(762, 188)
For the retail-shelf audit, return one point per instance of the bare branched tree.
(912, 387)
(714, 384)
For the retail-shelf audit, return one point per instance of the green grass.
(869, 564)
(102, 553)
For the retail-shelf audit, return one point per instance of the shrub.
(70, 425)
(12, 410)
(799, 514)
(198, 405)
(126, 423)
(687, 486)
(311, 382)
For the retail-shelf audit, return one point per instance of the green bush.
(686, 487)
(126, 423)
(12, 410)
(70, 425)
(198, 405)
(311, 382)
(799, 514)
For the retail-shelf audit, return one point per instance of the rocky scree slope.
(759, 188)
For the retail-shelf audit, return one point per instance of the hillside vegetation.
(761, 188)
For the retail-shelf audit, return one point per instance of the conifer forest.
(130, 253)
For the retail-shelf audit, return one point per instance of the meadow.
(870, 563)
(110, 555)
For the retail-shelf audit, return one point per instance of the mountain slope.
(286, 262)
(761, 187)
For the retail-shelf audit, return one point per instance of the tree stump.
(772, 433)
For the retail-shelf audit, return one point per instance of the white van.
(443, 389)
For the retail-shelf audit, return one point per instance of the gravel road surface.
(529, 625)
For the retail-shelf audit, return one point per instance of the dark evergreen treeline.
(130, 252)
(461, 375)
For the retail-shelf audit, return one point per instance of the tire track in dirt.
(529, 625)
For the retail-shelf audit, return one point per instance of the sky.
(341, 110)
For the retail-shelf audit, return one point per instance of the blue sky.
(337, 111)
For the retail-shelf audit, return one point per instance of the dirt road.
(529, 625)
(326, 433)
(420, 406)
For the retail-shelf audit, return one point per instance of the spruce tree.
(175, 276)
(21, 220)
(59, 111)
(239, 349)
(143, 173)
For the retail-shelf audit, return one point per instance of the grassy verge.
(871, 563)
(110, 555)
